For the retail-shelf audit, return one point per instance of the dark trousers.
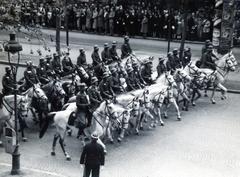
(91, 169)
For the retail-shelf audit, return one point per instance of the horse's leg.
(224, 91)
(61, 142)
(185, 101)
(177, 109)
(56, 136)
(160, 116)
(142, 117)
(121, 136)
(166, 109)
(109, 134)
(213, 93)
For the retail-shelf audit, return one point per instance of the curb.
(24, 65)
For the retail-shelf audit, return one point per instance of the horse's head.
(193, 69)
(170, 80)
(230, 64)
(23, 106)
(135, 104)
(59, 91)
(182, 74)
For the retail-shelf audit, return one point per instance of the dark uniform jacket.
(116, 85)
(126, 50)
(96, 58)
(161, 68)
(186, 58)
(81, 60)
(8, 84)
(132, 83)
(113, 54)
(93, 154)
(95, 97)
(56, 65)
(82, 101)
(106, 58)
(207, 61)
(42, 74)
(67, 64)
(146, 73)
(30, 77)
(105, 88)
(177, 62)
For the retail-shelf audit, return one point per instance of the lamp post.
(13, 47)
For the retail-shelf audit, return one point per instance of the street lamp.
(13, 47)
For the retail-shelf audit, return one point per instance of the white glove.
(82, 166)
(102, 167)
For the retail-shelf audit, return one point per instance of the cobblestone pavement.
(205, 143)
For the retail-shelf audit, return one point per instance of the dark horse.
(55, 93)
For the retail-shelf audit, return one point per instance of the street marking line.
(36, 170)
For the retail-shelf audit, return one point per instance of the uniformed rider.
(8, 82)
(187, 55)
(96, 60)
(137, 75)
(161, 68)
(132, 83)
(81, 60)
(56, 64)
(126, 48)
(176, 59)
(82, 103)
(94, 94)
(207, 59)
(105, 87)
(116, 84)
(113, 52)
(105, 54)
(67, 64)
(42, 71)
(146, 72)
(30, 76)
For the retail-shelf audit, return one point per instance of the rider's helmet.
(114, 43)
(175, 51)
(126, 38)
(106, 45)
(95, 48)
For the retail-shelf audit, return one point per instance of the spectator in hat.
(106, 58)
(81, 60)
(113, 52)
(126, 48)
(92, 157)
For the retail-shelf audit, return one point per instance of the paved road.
(205, 143)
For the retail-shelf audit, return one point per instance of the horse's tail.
(48, 119)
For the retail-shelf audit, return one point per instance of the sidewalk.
(5, 171)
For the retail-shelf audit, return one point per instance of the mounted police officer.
(56, 64)
(30, 76)
(67, 64)
(207, 59)
(137, 75)
(81, 60)
(105, 87)
(113, 52)
(116, 84)
(105, 54)
(94, 94)
(49, 68)
(161, 68)
(42, 72)
(176, 59)
(96, 60)
(8, 82)
(187, 55)
(146, 72)
(132, 83)
(126, 48)
(82, 103)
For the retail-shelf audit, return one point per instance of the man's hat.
(95, 47)
(81, 50)
(94, 80)
(161, 59)
(147, 61)
(175, 51)
(7, 69)
(210, 47)
(169, 54)
(114, 43)
(106, 45)
(94, 136)
(126, 38)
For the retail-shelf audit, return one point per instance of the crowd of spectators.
(135, 18)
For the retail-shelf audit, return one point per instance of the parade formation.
(113, 95)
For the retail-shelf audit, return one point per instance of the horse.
(38, 102)
(7, 112)
(182, 79)
(216, 78)
(55, 93)
(170, 98)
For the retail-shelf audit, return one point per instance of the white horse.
(7, 111)
(224, 65)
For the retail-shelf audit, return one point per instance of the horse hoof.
(141, 128)
(162, 124)
(179, 118)
(105, 152)
(193, 104)
(205, 95)
(24, 139)
(186, 109)
(137, 133)
(119, 140)
(111, 141)
(213, 102)
(69, 133)
(53, 153)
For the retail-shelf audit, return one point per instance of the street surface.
(205, 143)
